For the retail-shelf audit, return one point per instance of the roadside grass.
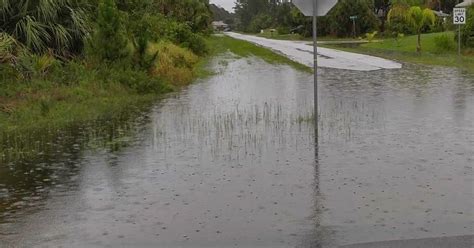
(221, 44)
(57, 106)
(82, 91)
(277, 36)
(405, 50)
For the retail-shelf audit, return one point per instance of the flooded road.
(231, 161)
(302, 52)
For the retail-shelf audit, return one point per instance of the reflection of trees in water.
(31, 165)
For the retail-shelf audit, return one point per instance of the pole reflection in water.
(317, 194)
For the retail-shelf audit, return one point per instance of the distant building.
(220, 26)
(466, 3)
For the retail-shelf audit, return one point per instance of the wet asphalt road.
(231, 161)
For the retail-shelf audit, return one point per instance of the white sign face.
(459, 16)
(306, 6)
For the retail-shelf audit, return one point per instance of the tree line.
(372, 15)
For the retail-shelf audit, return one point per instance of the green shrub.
(175, 64)
(397, 21)
(109, 42)
(283, 30)
(444, 43)
(341, 24)
(398, 38)
(197, 44)
(467, 30)
(35, 66)
(156, 27)
(72, 73)
(259, 22)
(7, 47)
(182, 34)
(371, 36)
(8, 75)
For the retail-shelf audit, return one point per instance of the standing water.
(231, 161)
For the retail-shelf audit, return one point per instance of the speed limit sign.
(459, 16)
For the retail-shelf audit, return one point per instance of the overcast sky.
(226, 4)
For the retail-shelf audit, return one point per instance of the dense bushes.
(183, 35)
(341, 24)
(157, 27)
(444, 43)
(61, 52)
(174, 64)
(397, 22)
(260, 22)
(467, 30)
(109, 41)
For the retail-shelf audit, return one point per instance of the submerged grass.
(221, 44)
(79, 93)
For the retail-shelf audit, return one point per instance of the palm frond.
(43, 24)
(34, 33)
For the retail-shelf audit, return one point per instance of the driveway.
(302, 53)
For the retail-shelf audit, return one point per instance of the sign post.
(315, 8)
(315, 68)
(354, 18)
(459, 18)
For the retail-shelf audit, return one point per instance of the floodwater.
(232, 161)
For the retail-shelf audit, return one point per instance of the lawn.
(404, 49)
(408, 43)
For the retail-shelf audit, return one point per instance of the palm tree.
(416, 17)
(59, 25)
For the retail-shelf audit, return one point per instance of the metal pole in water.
(459, 39)
(315, 48)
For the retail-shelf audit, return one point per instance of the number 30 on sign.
(459, 16)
